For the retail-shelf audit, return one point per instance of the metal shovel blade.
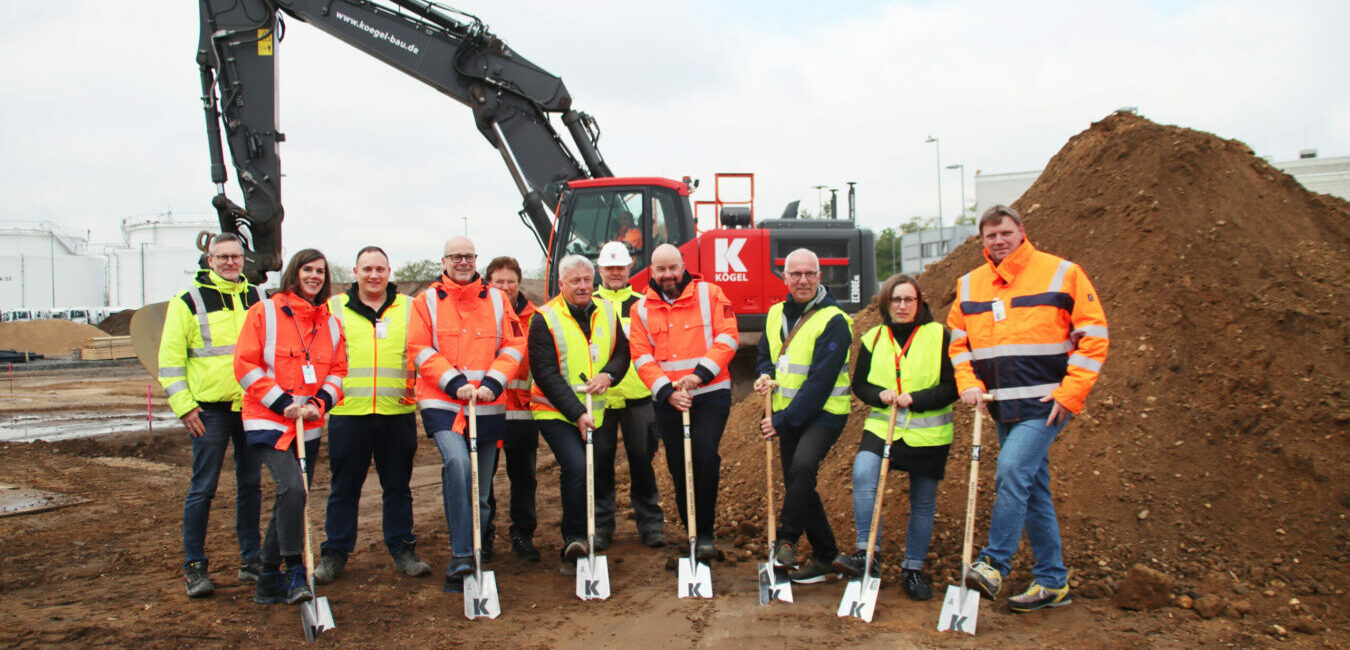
(316, 617)
(960, 608)
(480, 600)
(592, 578)
(770, 588)
(860, 598)
(695, 579)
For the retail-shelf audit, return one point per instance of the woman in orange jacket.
(290, 359)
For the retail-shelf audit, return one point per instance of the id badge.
(308, 371)
(999, 312)
(782, 366)
(381, 328)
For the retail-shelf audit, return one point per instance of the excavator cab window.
(641, 219)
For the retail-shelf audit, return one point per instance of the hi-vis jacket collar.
(1013, 264)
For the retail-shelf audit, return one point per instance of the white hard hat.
(614, 254)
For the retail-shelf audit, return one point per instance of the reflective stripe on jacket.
(282, 335)
(1051, 341)
(576, 354)
(518, 387)
(379, 380)
(463, 333)
(920, 368)
(794, 364)
(631, 386)
(671, 340)
(196, 349)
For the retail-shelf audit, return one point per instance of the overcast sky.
(101, 118)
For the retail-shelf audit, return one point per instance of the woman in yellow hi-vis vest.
(903, 362)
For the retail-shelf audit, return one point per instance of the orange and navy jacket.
(1052, 340)
(696, 333)
(518, 387)
(462, 334)
(280, 336)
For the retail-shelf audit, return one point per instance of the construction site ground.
(1202, 495)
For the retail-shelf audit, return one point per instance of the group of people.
(1027, 334)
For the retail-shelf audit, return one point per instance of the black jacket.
(548, 374)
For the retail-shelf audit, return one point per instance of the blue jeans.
(353, 441)
(457, 486)
(922, 506)
(1022, 501)
(208, 455)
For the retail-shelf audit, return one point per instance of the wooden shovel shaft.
(768, 480)
(689, 484)
(473, 478)
(304, 480)
(590, 486)
(881, 490)
(970, 496)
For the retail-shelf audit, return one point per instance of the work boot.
(460, 566)
(299, 590)
(198, 584)
(603, 539)
(523, 547)
(784, 555)
(250, 570)
(271, 588)
(916, 584)
(654, 538)
(331, 567)
(1037, 596)
(574, 548)
(705, 550)
(852, 565)
(984, 578)
(406, 561)
(814, 571)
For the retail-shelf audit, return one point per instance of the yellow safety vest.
(631, 386)
(920, 368)
(196, 349)
(379, 380)
(791, 366)
(576, 355)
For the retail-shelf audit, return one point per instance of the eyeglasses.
(798, 275)
(904, 300)
(229, 258)
(457, 258)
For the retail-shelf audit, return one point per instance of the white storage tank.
(157, 257)
(44, 267)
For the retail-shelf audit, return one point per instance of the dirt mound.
(118, 324)
(1213, 449)
(54, 338)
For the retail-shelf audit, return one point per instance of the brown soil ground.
(118, 324)
(1213, 450)
(54, 338)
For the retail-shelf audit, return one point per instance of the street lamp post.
(962, 167)
(938, 146)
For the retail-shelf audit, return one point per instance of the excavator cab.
(642, 213)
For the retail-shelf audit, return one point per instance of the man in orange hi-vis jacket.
(682, 336)
(465, 341)
(1029, 331)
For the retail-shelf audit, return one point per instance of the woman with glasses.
(902, 363)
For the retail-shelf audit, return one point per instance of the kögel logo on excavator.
(727, 265)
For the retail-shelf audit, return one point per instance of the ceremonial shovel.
(769, 589)
(860, 596)
(480, 589)
(315, 616)
(695, 577)
(592, 570)
(960, 608)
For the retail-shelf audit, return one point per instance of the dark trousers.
(707, 419)
(285, 535)
(520, 446)
(353, 441)
(802, 451)
(639, 442)
(570, 450)
(223, 428)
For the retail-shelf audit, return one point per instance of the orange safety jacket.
(280, 336)
(1029, 327)
(518, 387)
(695, 333)
(463, 333)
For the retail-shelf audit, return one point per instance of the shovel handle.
(768, 480)
(968, 543)
(690, 511)
(473, 488)
(590, 484)
(304, 480)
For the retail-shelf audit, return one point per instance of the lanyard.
(903, 351)
(313, 336)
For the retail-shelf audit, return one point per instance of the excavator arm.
(511, 98)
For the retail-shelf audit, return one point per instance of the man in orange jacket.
(466, 342)
(683, 336)
(1029, 331)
